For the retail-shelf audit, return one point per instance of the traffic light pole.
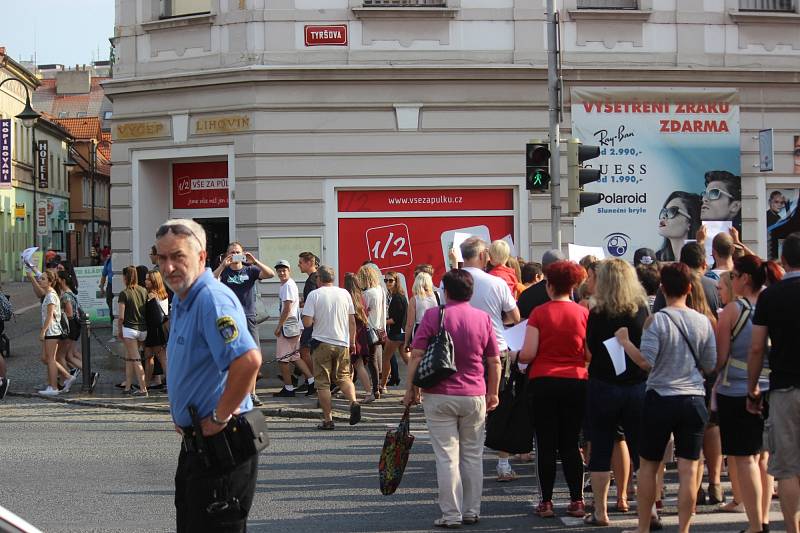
(553, 109)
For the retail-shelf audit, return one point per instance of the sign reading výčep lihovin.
(669, 160)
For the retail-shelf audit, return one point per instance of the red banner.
(397, 200)
(401, 244)
(200, 185)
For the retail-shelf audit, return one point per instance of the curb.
(276, 412)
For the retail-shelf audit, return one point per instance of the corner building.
(374, 129)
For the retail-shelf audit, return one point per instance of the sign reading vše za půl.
(329, 35)
(6, 142)
(656, 146)
(200, 185)
(90, 298)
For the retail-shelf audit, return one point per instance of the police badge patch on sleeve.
(227, 328)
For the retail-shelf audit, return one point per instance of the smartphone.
(238, 258)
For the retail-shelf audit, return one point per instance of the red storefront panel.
(200, 185)
(400, 200)
(404, 242)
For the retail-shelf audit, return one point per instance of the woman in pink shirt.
(456, 407)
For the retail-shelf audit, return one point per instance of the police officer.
(212, 366)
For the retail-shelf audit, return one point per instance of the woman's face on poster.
(674, 220)
(777, 203)
(718, 203)
(797, 154)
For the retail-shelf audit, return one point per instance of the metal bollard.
(86, 355)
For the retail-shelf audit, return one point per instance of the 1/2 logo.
(617, 244)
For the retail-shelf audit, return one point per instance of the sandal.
(622, 506)
(731, 507)
(326, 425)
(592, 520)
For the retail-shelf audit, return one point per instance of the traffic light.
(578, 176)
(537, 166)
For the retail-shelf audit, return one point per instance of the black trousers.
(557, 407)
(201, 495)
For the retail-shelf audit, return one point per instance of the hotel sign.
(42, 151)
(6, 142)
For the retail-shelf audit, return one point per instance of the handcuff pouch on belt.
(244, 436)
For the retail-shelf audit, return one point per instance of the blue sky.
(57, 31)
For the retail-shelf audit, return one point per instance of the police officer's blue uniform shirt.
(208, 330)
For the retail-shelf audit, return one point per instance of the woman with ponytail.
(740, 430)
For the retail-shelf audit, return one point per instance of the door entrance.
(216, 238)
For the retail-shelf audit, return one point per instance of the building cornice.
(369, 73)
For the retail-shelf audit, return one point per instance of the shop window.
(608, 4)
(405, 3)
(183, 8)
(767, 5)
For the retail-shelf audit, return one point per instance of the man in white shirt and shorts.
(330, 311)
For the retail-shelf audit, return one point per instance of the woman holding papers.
(616, 384)
(554, 347)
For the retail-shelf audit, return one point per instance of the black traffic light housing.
(578, 176)
(537, 166)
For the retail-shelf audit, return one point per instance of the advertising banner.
(781, 217)
(669, 160)
(6, 142)
(200, 185)
(42, 218)
(90, 298)
(408, 237)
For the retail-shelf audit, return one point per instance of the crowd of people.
(627, 365)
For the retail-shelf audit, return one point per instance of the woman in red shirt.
(555, 348)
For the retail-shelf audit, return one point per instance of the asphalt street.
(84, 469)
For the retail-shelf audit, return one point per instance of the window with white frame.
(86, 192)
(405, 3)
(608, 4)
(768, 5)
(183, 8)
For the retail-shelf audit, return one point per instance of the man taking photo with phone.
(240, 271)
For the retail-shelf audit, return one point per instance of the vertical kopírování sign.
(669, 159)
(6, 142)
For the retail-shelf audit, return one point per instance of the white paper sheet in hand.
(714, 228)
(617, 353)
(577, 252)
(515, 336)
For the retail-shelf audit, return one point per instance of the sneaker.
(369, 398)
(140, 393)
(505, 474)
(49, 391)
(545, 510)
(93, 383)
(355, 413)
(74, 371)
(3, 387)
(577, 509)
(301, 388)
(283, 393)
(68, 383)
(256, 400)
(312, 390)
(384, 390)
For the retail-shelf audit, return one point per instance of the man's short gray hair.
(326, 274)
(185, 227)
(472, 247)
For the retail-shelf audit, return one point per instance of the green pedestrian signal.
(537, 167)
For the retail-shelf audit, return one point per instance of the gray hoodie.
(674, 368)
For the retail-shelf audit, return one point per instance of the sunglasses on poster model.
(714, 194)
(672, 212)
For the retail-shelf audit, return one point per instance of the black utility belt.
(245, 435)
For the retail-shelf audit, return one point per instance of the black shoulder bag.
(438, 361)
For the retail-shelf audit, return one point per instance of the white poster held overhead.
(576, 252)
